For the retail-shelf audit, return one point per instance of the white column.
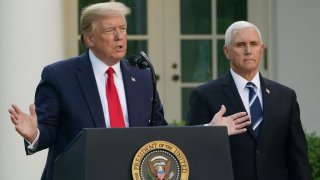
(31, 36)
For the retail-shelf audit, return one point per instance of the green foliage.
(178, 123)
(314, 154)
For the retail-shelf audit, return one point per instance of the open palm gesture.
(25, 124)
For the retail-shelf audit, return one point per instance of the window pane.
(185, 93)
(195, 16)
(135, 46)
(137, 19)
(223, 62)
(196, 60)
(229, 11)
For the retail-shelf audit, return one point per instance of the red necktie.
(115, 111)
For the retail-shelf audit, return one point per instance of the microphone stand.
(154, 88)
(142, 62)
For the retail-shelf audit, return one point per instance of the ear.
(262, 48)
(89, 40)
(226, 52)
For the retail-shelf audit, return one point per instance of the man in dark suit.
(274, 147)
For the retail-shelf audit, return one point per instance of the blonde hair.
(94, 12)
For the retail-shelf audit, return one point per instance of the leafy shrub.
(314, 154)
(178, 123)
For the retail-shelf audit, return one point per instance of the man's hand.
(235, 123)
(26, 125)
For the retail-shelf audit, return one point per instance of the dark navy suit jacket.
(67, 100)
(280, 153)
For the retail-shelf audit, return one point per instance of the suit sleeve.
(47, 103)
(297, 153)
(159, 114)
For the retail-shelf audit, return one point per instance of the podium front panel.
(102, 154)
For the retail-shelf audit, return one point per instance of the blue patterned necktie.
(255, 109)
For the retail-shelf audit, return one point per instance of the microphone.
(142, 62)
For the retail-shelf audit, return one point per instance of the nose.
(248, 49)
(118, 34)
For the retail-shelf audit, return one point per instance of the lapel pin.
(268, 91)
(133, 79)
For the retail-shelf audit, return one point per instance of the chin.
(118, 54)
(122, 53)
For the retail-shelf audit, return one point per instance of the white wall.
(31, 37)
(297, 29)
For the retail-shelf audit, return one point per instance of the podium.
(108, 153)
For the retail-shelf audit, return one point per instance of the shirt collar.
(242, 82)
(100, 68)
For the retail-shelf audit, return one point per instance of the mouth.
(119, 47)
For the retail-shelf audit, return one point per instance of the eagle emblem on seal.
(160, 168)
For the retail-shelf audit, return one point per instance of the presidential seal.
(160, 160)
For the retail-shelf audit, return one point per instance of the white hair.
(236, 26)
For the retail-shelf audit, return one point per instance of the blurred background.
(184, 40)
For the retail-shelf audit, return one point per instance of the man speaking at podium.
(94, 90)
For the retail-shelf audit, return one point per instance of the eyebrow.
(112, 25)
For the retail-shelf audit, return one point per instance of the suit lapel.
(89, 88)
(129, 80)
(267, 107)
(231, 92)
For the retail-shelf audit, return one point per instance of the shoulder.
(210, 86)
(276, 85)
(278, 89)
(68, 65)
(208, 91)
(69, 62)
